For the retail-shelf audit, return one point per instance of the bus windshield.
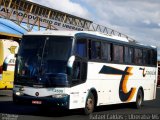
(40, 57)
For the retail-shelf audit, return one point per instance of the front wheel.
(139, 99)
(90, 104)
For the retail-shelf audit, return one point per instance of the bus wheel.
(90, 103)
(139, 99)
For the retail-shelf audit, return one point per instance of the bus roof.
(73, 33)
(89, 34)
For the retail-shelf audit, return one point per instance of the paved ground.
(10, 111)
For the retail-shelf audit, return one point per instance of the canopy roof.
(10, 28)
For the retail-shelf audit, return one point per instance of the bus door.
(79, 69)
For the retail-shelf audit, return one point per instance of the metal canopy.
(32, 16)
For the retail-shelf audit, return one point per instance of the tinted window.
(118, 53)
(95, 50)
(49, 53)
(106, 51)
(146, 57)
(128, 55)
(81, 47)
(153, 57)
(138, 56)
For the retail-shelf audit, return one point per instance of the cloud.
(126, 12)
(138, 19)
(66, 6)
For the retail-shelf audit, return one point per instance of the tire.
(139, 99)
(90, 104)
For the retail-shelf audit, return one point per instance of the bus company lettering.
(55, 90)
(147, 72)
(150, 72)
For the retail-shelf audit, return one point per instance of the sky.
(139, 19)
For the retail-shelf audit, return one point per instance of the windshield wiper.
(45, 42)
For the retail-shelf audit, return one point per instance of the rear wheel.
(90, 103)
(139, 99)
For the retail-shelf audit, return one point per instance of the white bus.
(158, 81)
(73, 70)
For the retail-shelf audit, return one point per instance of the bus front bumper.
(43, 101)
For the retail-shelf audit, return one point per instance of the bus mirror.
(70, 65)
(71, 61)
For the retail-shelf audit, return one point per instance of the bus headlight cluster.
(21, 89)
(59, 95)
(18, 93)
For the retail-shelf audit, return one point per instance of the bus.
(8, 48)
(83, 69)
(158, 81)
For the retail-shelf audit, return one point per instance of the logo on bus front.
(56, 90)
(37, 94)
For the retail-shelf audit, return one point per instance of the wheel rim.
(90, 105)
(139, 100)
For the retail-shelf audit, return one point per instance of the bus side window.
(81, 48)
(128, 57)
(95, 50)
(138, 56)
(146, 57)
(106, 51)
(153, 57)
(118, 53)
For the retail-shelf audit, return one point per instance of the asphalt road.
(10, 111)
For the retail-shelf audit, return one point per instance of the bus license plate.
(36, 102)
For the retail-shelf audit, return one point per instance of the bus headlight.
(18, 93)
(59, 95)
